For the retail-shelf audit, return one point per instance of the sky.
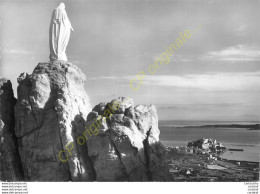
(214, 75)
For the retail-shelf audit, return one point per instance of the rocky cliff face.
(10, 169)
(126, 146)
(48, 102)
(60, 138)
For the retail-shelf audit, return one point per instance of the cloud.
(245, 81)
(184, 58)
(218, 81)
(109, 77)
(16, 52)
(216, 104)
(236, 53)
(242, 28)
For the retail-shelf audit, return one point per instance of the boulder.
(51, 109)
(126, 144)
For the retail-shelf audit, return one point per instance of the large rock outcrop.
(10, 169)
(48, 102)
(124, 145)
(60, 138)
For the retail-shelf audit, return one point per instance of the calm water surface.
(179, 133)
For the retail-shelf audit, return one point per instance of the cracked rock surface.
(114, 141)
(48, 101)
(127, 147)
(10, 164)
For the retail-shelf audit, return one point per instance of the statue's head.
(62, 6)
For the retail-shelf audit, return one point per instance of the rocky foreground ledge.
(48, 133)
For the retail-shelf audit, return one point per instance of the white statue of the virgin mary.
(59, 33)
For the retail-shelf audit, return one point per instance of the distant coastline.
(253, 126)
(249, 127)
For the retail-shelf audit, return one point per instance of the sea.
(179, 133)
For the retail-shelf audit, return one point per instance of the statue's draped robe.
(59, 34)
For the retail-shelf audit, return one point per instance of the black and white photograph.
(141, 95)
